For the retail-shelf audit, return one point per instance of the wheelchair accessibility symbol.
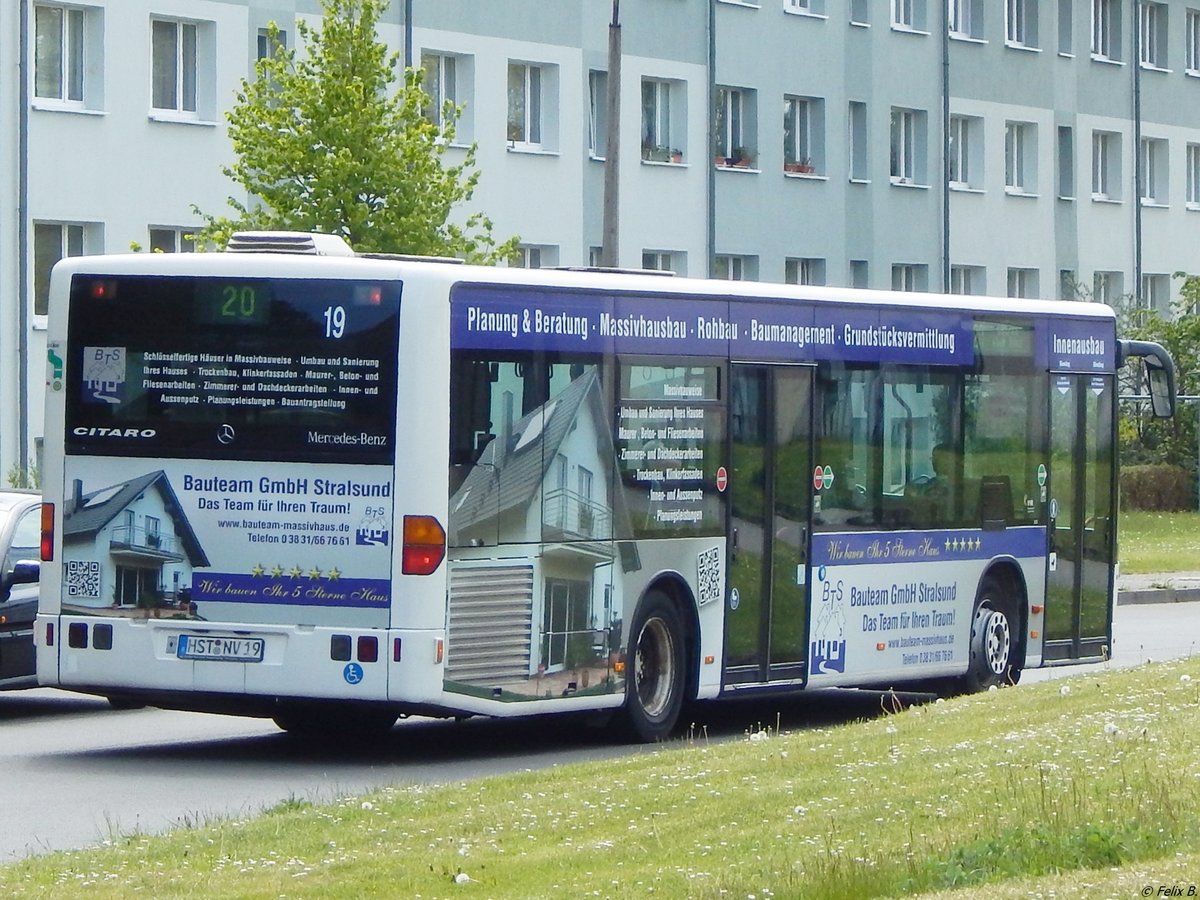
(353, 673)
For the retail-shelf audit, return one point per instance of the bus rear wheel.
(993, 640)
(654, 686)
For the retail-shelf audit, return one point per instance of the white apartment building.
(1021, 148)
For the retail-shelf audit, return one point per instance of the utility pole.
(609, 253)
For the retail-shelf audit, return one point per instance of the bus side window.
(471, 427)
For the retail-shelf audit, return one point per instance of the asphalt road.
(74, 773)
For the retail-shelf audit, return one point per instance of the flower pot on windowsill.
(676, 156)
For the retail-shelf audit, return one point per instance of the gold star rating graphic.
(963, 544)
(314, 573)
(334, 574)
(277, 571)
(258, 570)
(296, 572)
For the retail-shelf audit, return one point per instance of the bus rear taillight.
(424, 545)
(47, 547)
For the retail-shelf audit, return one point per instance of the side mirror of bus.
(1160, 373)
(1162, 390)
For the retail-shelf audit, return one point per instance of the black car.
(20, 569)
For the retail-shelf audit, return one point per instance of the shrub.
(1157, 488)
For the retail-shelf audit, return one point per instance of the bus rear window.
(245, 368)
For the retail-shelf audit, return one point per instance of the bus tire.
(655, 680)
(993, 652)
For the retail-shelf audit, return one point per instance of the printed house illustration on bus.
(547, 620)
(129, 546)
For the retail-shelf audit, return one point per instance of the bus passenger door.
(1079, 584)
(770, 486)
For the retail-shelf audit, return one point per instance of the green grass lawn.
(1080, 787)
(1150, 542)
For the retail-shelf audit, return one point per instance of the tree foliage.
(335, 138)
(1145, 440)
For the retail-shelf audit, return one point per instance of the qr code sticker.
(83, 579)
(708, 574)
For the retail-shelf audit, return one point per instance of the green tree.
(1172, 441)
(336, 139)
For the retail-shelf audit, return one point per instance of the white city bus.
(334, 490)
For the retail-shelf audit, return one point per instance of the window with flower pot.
(803, 135)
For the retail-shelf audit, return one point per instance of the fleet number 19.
(335, 321)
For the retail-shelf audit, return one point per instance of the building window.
(858, 141)
(1066, 162)
(803, 134)
(662, 261)
(58, 53)
(1193, 176)
(267, 48)
(597, 113)
(812, 7)
(662, 128)
(1153, 25)
(1156, 293)
(535, 256)
(1107, 287)
(966, 152)
(733, 268)
(1153, 164)
(908, 15)
(1066, 27)
(52, 242)
(804, 271)
(525, 105)
(1192, 42)
(172, 240)
(968, 280)
(1106, 165)
(440, 82)
(1022, 283)
(859, 274)
(859, 12)
(1020, 157)
(966, 19)
(1106, 29)
(1020, 23)
(735, 129)
(174, 65)
(908, 146)
(910, 277)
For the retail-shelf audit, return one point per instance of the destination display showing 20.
(260, 356)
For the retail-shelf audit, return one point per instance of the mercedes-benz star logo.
(226, 434)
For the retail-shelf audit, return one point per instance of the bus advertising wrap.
(486, 318)
(184, 539)
(229, 447)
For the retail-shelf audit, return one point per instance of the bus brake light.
(424, 545)
(47, 546)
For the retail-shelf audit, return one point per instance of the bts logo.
(104, 375)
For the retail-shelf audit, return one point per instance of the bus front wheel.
(654, 687)
(993, 641)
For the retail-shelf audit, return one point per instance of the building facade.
(1035, 148)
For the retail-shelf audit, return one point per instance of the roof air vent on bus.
(309, 244)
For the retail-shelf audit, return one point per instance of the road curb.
(1159, 595)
